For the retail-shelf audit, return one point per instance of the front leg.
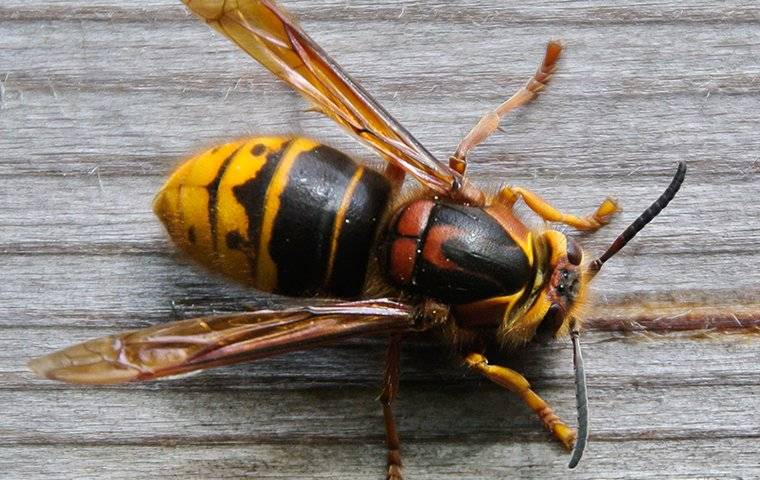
(515, 382)
(390, 389)
(509, 195)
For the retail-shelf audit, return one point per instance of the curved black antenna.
(646, 217)
(581, 401)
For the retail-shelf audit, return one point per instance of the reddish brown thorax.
(452, 253)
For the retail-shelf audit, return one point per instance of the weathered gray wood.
(99, 100)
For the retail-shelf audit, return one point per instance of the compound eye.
(574, 252)
(551, 323)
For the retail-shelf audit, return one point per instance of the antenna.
(646, 217)
(581, 400)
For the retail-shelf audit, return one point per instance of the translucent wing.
(265, 30)
(190, 345)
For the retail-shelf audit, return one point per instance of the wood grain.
(99, 100)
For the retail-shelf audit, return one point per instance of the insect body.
(485, 263)
(288, 215)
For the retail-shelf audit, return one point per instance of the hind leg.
(388, 395)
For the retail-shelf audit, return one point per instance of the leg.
(508, 196)
(390, 389)
(490, 121)
(515, 382)
(396, 176)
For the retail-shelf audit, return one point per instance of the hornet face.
(565, 289)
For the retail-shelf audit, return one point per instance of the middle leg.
(395, 175)
(489, 123)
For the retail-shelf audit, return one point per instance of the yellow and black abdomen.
(286, 215)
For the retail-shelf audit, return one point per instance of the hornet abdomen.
(286, 215)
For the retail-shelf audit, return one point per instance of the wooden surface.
(99, 100)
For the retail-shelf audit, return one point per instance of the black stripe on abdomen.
(357, 234)
(213, 191)
(252, 194)
(303, 228)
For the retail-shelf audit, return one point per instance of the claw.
(565, 435)
(606, 210)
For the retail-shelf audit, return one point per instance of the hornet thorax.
(453, 253)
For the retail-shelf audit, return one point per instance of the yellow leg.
(515, 382)
(609, 207)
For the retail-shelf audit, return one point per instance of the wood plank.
(360, 461)
(100, 100)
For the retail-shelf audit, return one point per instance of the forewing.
(268, 33)
(186, 346)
